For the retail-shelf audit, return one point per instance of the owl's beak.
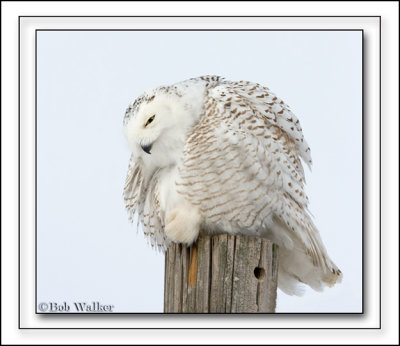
(147, 148)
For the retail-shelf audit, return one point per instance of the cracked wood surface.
(221, 274)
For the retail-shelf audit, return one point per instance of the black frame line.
(155, 16)
(169, 313)
(19, 172)
(199, 314)
(199, 30)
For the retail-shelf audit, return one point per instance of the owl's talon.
(234, 149)
(183, 224)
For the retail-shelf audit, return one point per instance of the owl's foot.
(183, 224)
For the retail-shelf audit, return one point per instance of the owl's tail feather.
(302, 255)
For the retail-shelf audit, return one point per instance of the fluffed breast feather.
(241, 166)
(141, 196)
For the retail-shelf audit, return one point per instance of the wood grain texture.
(221, 274)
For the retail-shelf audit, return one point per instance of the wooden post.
(221, 274)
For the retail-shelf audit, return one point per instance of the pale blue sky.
(87, 249)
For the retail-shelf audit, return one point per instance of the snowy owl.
(216, 156)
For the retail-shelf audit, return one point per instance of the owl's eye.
(150, 120)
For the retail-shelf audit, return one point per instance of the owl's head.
(157, 123)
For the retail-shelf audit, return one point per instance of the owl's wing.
(239, 146)
(242, 168)
(141, 200)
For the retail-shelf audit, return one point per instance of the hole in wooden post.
(259, 273)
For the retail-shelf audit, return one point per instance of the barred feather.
(239, 161)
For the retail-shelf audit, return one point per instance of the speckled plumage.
(225, 157)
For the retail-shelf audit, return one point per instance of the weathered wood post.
(221, 274)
